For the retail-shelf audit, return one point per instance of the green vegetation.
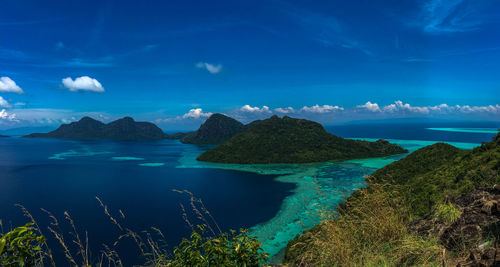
(376, 225)
(216, 130)
(367, 232)
(447, 212)
(21, 247)
(289, 140)
(441, 172)
(228, 249)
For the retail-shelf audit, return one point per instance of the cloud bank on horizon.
(325, 114)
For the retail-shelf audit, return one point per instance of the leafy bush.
(21, 247)
(227, 249)
(447, 212)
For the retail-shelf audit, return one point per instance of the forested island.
(290, 140)
(121, 129)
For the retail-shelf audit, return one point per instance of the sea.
(153, 185)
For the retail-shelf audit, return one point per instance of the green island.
(290, 140)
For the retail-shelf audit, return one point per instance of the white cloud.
(285, 110)
(321, 109)
(248, 108)
(84, 83)
(399, 106)
(213, 69)
(4, 115)
(7, 85)
(486, 109)
(4, 103)
(196, 113)
(373, 107)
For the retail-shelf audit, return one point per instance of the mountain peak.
(216, 130)
(88, 119)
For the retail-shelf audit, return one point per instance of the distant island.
(216, 130)
(178, 135)
(122, 129)
(3, 136)
(290, 140)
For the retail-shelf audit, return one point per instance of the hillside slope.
(433, 207)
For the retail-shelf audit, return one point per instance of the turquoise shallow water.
(466, 130)
(126, 158)
(318, 186)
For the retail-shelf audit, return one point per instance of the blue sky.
(176, 62)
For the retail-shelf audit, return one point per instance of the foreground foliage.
(228, 249)
(206, 246)
(21, 247)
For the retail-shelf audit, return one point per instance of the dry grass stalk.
(48, 251)
(115, 222)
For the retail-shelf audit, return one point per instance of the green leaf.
(2, 245)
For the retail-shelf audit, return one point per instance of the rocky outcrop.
(489, 256)
(477, 227)
(478, 222)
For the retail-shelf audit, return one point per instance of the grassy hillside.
(441, 172)
(289, 140)
(433, 207)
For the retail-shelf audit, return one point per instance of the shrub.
(447, 212)
(21, 247)
(227, 249)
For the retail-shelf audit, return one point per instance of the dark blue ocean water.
(67, 175)
(416, 131)
(85, 169)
